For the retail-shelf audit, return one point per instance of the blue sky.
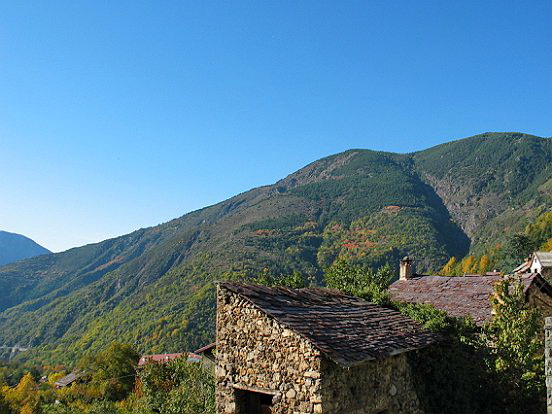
(121, 115)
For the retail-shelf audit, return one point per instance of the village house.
(539, 262)
(208, 355)
(70, 379)
(157, 359)
(166, 358)
(465, 295)
(313, 350)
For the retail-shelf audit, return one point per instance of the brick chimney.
(405, 269)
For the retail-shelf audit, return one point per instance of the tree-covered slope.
(153, 287)
(14, 247)
(491, 183)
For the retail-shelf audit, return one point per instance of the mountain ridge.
(14, 247)
(153, 286)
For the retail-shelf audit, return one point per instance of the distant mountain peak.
(14, 247)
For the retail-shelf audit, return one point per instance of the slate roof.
(68, 379)
(347, 329)
(545, 258)
(206, 348)
(459, 296)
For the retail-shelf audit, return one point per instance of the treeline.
(498, 368)
(111, 383)
(537, 236)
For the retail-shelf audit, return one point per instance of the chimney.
(405, 270)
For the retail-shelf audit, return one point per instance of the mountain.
(15, 247)
(154, 287)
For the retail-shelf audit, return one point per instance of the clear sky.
(117, 115)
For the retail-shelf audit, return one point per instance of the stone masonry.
(258, 353)
(548, 366)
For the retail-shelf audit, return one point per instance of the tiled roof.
(524, 267)
(206, 348)
(68, 379)
(457, 295)
(545, 258)
(159, 359)
(348, 330)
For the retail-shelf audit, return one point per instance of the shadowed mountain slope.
(14, 247)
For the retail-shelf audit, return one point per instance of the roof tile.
(347, 329)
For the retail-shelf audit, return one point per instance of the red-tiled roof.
(158, 359)
(459, 296)
(347, 329)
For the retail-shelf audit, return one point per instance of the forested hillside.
(153, 287)
(15, 247)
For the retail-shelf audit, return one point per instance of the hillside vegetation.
(154, 287)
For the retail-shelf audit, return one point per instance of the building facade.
(312, 351)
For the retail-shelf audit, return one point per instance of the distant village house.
(539, 262)
(70, 379)
(157, 359)
(312, 351)
(165, 358)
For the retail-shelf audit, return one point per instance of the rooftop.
(459, 296)
(68, 379)
(347, 329)
(159, 359)
(545, 258)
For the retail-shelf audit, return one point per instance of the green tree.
(519, 247)
(360, 280)
(114, 370)
(178, 387)
(515, 336)
(346, 277)
(4, 407)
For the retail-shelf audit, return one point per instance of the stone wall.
(540, 300)
(256, 353)
(548, 362)
(383, 386)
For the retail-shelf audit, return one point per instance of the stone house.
(466, 295)
(305, 351)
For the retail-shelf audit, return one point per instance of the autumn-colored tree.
(483, 264)
(467, 264)
(448, 268)
(24, 395)
(547, 246)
